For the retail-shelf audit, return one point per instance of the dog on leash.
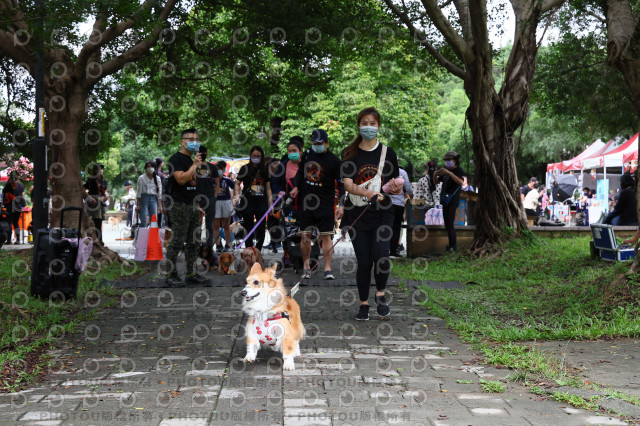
(227, 264)
(114, 222)
(250, 256)
(208, 257)
(274, 316)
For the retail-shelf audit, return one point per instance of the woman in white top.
(531, 200)
(149, 194)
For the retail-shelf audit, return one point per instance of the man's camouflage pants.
(185, 221)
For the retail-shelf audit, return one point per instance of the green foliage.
(576, 87)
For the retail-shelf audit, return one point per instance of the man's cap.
(451, 155)
(100, 165)
(533, 179)
(319, 135)
(127, 183)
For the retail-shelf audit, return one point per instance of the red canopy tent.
(575, 162)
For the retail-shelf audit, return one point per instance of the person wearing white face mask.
(149, 194)
(367, 165)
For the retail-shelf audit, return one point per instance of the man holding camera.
(184, 213)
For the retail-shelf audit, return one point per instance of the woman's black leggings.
(252, 211)
(372, 251)
(449, 217)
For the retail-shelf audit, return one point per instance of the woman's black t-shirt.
(254, 181)
(360, 169)
(449, 185)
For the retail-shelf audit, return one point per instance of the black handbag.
(445, 199)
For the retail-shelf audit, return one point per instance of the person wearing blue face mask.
(184, 213)
(316, 182)
(452, 177)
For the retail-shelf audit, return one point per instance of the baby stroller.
(292, 238)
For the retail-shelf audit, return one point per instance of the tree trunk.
(65, 121)
(623, 50)
(501, 214)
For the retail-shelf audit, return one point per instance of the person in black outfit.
(256, 195)
(163, 179)
(96, 197)
(525, 189)
(624, 213)
(207, 182)
(452, 177)
(371, 234)
(316, 180)
(12, 207)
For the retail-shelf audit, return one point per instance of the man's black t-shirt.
(254, 180)
(317, 176)
(361, 168)
(525, 190)
(206, 176)
(626, 207)
(180, 162)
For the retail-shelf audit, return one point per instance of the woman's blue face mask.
(450, 164)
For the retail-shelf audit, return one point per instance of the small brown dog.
(274, 316)
(114, 222)
(227, 264)
(250, 256)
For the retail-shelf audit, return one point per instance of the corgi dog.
(274, 316)
(227, 264)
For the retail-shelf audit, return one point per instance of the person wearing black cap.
(452, 177)
(367, 165)
(316, 182)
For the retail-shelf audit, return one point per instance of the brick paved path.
(172, 357)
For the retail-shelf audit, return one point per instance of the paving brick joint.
(163, 356)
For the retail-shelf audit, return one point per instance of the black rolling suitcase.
(54, 260)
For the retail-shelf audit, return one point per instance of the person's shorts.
(223, 209)
(321, 219)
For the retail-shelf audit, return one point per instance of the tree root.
(620, 289)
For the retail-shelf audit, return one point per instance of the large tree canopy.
(456, 34)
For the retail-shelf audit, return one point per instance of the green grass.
(539, 288)
(30, 325)
(492, 386)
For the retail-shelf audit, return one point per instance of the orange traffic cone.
(154, 248)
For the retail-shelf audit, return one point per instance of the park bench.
(605, 246)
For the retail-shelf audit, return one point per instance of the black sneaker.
(306, 274)
(363, 313)
(219, 249)
(401, 247)
(227, 249)
(382, 307)
(173, 280)
(328, 275)
(395, 255)
(196, 279)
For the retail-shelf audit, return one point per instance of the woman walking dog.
(367, 165)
